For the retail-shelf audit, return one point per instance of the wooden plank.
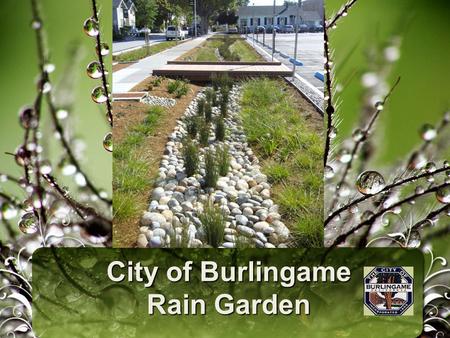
(204, 70)
(129, 96)
(180, 62)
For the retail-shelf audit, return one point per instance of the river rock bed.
(158, 101)
(243, 195)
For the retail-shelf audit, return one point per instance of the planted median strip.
(145, 51)
(222, 48)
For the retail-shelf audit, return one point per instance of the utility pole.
(273, 28)
(253, 26)
(296, 36)
(195, 18)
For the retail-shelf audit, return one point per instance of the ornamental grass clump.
(223, 109)
(213, 222)
(220, 129)
(201, 107)
(223, 160)
(204, 131)
(192, 125)
(190, 157)
(211, 170)
(211, 96)
(208, 112)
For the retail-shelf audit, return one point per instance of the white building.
(310, 13)
(124, 14)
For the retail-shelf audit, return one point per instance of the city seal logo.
(388, 291)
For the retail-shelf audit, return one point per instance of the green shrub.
(213, 222)
(208, 112)
(204, 131)
(190, 156)
(157, 81)
(172, 86)
(211, 170)
(192, 125)
(201, 107)
(220, 129)
(223, 160)
(182, 90)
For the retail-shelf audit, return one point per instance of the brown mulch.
(309, 112)
(129, 114)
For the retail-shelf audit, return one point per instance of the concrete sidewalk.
(125, 79)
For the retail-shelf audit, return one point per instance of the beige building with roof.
(310, 13)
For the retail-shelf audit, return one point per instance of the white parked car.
(173, 33)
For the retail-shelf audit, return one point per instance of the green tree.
(206, 9)
(146, 11)
(168, 9)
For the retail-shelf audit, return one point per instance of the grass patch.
(143, 52)
(245, 51)
(291, 152)
(131, 176)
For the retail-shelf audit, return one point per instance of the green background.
(423, 93)
(63, 24)
(83, 302)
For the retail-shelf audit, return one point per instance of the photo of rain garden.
(388, 125)
(222, 162)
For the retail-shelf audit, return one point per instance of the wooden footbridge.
(203, 71)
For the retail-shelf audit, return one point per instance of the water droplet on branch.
(443, 194)
(22, 156)
(428, 132)
(90, 27)
(28, 223)
(358, 135)
(8, 211)
(46, 167)
(104, 49)
(36, 24)
(108, 142)
(98, 95)
(333, 133)
(94, 70)
(62, 114)
(328, 172)
(28, 118)
(370, 183)
(344, 156)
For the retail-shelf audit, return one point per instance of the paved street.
(309, 52)
(125, 79)
(123, 45)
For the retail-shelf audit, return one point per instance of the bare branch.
(341, 238)
(385, 189)
(340, 14)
